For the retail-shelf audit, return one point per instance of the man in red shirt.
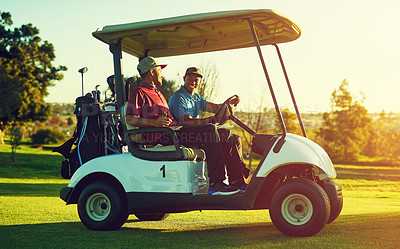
(147, 107)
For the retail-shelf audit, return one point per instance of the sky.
(353, 40)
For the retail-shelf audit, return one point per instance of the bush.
(47, 135)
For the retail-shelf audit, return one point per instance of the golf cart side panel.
(137, 175)
(199, 33)
(298, 150)
(140, 202)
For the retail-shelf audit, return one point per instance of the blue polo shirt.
(182, 103)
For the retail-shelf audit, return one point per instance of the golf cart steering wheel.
(224, 111)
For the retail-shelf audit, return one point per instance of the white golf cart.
(293, 179)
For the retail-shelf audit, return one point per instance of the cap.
(148, 63)
(193, 70)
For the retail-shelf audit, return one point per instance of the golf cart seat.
(140, 146)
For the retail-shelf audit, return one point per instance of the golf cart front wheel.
(300, 208)
(336, 208)
(102, 206)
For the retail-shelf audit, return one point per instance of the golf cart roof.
(200, 33)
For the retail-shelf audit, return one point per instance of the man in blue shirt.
(185, 106)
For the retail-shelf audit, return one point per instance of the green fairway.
(33, 216)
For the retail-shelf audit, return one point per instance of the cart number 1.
(163, 171)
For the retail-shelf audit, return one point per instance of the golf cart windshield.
(200, 33)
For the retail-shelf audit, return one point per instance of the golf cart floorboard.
(144, 202)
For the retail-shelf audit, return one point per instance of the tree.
(47, 135)
(9, 100)
(346, 127)
(209, 87)
(383, 139)
(168, 88)
(291, 122)
(26, 71)
(15, 138)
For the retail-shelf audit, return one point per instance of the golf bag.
(94, 136)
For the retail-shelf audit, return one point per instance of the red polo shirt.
(146, 101)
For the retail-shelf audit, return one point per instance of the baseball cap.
(148, 63)
(193, 70)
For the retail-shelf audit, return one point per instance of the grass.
(369, 220)
(33, 216)
(31, 187)
(30, 163)
(391, 173)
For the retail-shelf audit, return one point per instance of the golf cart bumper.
(333, 190)
(65, 193)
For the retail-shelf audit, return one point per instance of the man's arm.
(135, 120)
(187, 120)
(211, 107)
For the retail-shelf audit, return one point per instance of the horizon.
(268, 108)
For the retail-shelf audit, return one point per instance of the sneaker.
(238, 184)
(221, 189)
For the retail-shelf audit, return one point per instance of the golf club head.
(83, 70)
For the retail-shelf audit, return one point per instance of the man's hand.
(162, 122)
(234, 101)
(223, 115)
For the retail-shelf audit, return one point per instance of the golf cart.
(293, 180)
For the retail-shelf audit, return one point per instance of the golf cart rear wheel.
(300, 208)
(102, 206)
(152, 216)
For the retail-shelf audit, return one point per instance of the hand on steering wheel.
(225, 110)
